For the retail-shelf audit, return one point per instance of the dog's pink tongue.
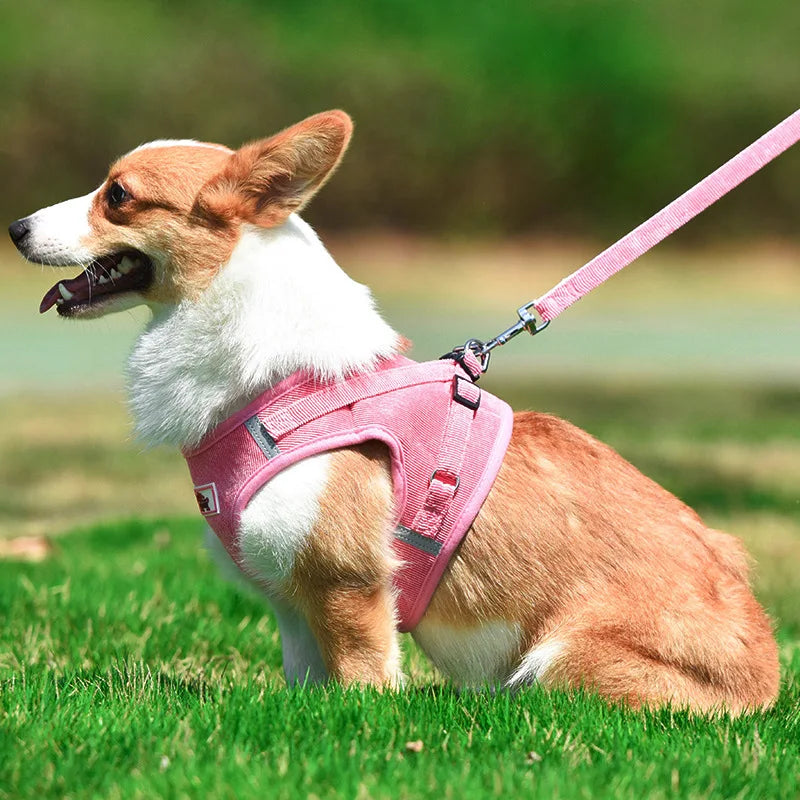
(78, 289)
(49, 300)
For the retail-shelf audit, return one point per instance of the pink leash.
(641, 239)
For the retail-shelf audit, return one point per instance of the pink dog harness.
(446, 436)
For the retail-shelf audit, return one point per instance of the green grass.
(129, 670)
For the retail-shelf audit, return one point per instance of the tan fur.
(650, 605)
(160, 217)
(343, 578)
(270, 179)
(188, 203)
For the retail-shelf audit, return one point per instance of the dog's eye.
(116, 195)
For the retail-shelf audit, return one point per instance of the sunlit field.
(129, 669)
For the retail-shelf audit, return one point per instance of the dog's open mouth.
(112, 275)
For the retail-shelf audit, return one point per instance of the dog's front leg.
(355, 629)
(302, 661)
(342, 576)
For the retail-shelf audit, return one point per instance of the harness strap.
(446, 438)
(445, 479)
(351, 390)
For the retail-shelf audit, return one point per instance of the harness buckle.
(447, 478)
(462, 398)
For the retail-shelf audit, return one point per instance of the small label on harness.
(207, 499)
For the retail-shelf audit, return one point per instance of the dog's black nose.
(18, 231)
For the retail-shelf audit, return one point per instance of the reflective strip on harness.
(424, 543)
(262, 437)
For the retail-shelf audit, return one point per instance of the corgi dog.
(576, 571)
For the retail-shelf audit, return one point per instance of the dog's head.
(169, 214)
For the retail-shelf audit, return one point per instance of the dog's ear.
(267, 180)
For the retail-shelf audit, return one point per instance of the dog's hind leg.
(640, 665)
(575, 656)
(598, 662)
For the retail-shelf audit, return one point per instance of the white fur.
(278, 518)
(180, 143)
(280, 305)
(535, 663)
(472, 656)
(394, 662)
(302, 662)
(57, 233)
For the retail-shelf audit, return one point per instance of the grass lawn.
(128, 669)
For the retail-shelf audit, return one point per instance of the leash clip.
(530, 322)
(533, 323)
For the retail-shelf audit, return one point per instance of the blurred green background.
(567, 116)
(498, 146)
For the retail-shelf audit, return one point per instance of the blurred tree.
(578, 116)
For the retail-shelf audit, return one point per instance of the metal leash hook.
(531, 322)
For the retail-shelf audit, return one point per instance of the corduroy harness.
(446, 436)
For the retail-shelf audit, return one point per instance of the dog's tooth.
(115, 274)
(64, 292)
(126, 265)
(102, 279)
(60, 301)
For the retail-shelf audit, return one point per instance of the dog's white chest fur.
(279, 518)
(280, 305)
